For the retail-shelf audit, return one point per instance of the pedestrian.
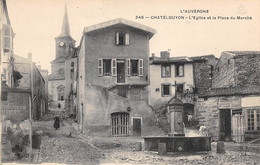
(56, 124)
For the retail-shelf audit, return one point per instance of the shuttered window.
(127, 39)
(128, 67)
(100, 67)
(141, 67)
(122, 39)
(7, 37)
(114, 66)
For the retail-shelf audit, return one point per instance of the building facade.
(113, 75)
(231, 107)
(64, 45)
(23, 94)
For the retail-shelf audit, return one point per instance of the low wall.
(15, 123)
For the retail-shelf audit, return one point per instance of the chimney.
(165, 54)
(30, 56)
(153, 55)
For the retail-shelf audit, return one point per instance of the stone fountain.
(176, 141)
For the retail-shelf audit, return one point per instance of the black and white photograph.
(144, 82)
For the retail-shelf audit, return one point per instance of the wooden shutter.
(128, 67)
(114, 67)
(117, 38)
(181, 70)
(127, 39)
(100, 67)
(7, 33)
(141, 67)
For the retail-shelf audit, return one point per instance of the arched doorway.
(120, 124)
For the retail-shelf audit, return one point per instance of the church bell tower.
(64, 42)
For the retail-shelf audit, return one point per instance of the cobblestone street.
(58, 146)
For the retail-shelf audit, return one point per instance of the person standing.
(56, 124)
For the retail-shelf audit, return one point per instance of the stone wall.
(208, 111)
(224, 71)
(203, 72)
(15, 122)
(247, 70)
(207, 114)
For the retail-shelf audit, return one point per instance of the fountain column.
(176, 117)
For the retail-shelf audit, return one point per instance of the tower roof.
(65, 29)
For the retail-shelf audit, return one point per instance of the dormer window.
(122, 39)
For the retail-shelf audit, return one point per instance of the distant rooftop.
(122, 21)
(229, 91)
(159, 60)
(242, 53)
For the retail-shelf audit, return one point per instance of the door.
(119, 124)
(136, 127)
(238, 128)
(120, 72)
(225, 124)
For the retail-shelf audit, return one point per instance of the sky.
(36, 23)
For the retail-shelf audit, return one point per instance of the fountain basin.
(178, 143)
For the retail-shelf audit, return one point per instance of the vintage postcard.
(130, 82)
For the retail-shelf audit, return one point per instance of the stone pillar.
(176, 117)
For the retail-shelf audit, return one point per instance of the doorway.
(136, 126)
(225, 124)
(120, 72)
(119, 124)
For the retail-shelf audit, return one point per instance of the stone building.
(181, 77)
(23, 94)
(64, 45)
(113, 75)
(171, 77)
(230, 109)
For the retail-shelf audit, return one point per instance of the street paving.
(59, 147)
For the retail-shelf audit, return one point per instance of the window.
(122, 39)
(107, 67)
(253, 120)
(7, 37)
(72, 64)
(179, 71)
(166, 90)
(166, 71)
(179, 88)
(134, 67)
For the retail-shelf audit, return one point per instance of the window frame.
(122, 39)
(162, 89)
(164, 66)
(137, 67)
(176, 86)
(110, 68)
(177, 74)
(254, 121)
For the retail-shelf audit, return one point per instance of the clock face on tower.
(62, 44)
